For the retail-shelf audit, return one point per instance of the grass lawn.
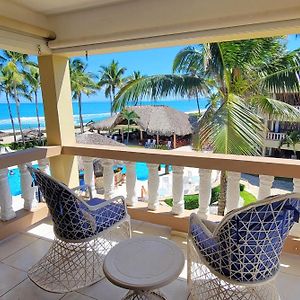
(191, 201)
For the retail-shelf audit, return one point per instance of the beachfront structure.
(157, 121)
(57, 30)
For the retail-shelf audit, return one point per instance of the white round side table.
(143, 265)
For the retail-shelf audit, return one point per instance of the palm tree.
(130, 116)
(33, 79)
(111, 78)
(82, 82)
(240, 78)
(5, 86)
(15, 64)
(291, 138)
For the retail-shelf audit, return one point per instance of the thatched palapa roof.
(160, 119)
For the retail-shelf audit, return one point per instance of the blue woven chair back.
(250, 240)
(68, 219)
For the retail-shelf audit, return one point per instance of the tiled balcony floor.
(21, 251)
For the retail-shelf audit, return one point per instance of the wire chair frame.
(239, 257)
(84, 233)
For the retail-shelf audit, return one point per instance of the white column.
(108, 178)
(131, 198)
(153, 183)
(177, 191)
(265, 184)
(296, 182)
(204, 192)
(44, 165)
(7, 211)
(89, 176)
(27, 188)
(233, 191)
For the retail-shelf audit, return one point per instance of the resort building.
(60, 244)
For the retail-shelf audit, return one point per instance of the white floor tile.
(77, 296)
(288, 286)
(28, 256)
(290, 264)
(14, 243)
(176, 290)
(9, 278)
(104, 290)
(156, 230)
(28, 290)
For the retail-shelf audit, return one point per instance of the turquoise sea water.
(91, 111)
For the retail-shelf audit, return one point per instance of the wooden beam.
(238, 163)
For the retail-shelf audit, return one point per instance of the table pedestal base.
(144, 295)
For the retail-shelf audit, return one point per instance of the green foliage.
(28, 144)
(161, 147)
(291, 139)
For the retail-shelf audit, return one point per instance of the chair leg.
(203, 284)
(70, 266)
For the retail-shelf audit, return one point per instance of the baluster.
(27, 188)
(131, 198)
(108, 178)
(7, 211)
(89, 176)
(44, 165)
(295, 231)
(153, 183)
(233, 191)
(265, 185)
(204, 192)
(296, 182)
(177, 191)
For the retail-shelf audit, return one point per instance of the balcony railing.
(276, 136)
(267, 168)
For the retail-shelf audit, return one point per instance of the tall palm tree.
(82, 82)
(5, 86)
(240, 78)
(130, 116)
(16, 63)
(33, 79)
(291, 139)
(112, 79)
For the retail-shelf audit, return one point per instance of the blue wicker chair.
(85, 230)
(238, 258)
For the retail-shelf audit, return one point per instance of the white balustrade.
(44, 165)
(131, 198)
(28, 190)
(204, 192)
(233, 191)
(276, 136)
(177, 190)
(295, 231)
(89, 176)
(153, 184)
(265, 185)
(108, 178)
(7, 211)
(296, 182)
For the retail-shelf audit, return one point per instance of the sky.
(148, 62)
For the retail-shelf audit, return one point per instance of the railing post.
(204, 192)
(7, 211)
(44, 165)
(265, 185)
(233, 191)
(296, 182)
(177, 191)
(131, 198)
(153, 183)
(89, 176)
(27, 188)
(108, 178)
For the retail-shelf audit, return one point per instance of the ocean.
(91, 111)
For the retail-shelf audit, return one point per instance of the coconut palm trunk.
(18, 114)
(11, 117)
(80, 114)
(222, 198)
(37, 116)
(128, 127)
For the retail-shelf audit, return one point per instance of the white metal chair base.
(204, 285)
(145, 295)
(71, 266)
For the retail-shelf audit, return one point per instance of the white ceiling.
(62, 6)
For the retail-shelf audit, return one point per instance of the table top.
(143, 263)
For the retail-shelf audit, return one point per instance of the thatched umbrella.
(95, 139)
(155, 120)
